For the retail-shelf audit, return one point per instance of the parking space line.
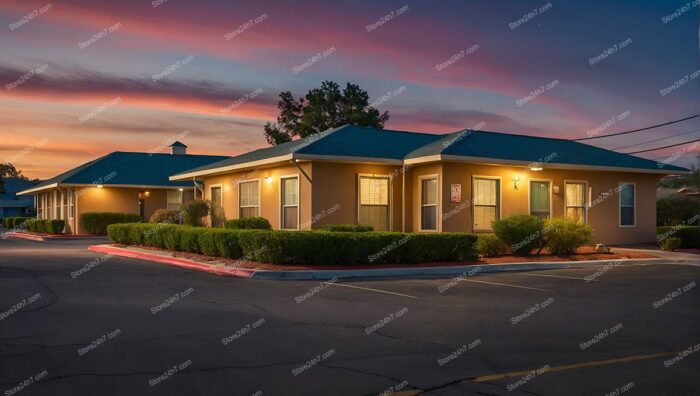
(521, 373)
(504, 284)
(552, 276)
(367, 288)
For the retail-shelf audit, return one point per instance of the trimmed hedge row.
(347, 228)
(301, 247)
(97, 222)
(689, 235)
(249, 223)
(12, 222)
(46, 226)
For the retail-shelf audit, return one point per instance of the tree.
(9, 170)
(321, 109)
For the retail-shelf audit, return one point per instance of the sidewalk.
(219, 268)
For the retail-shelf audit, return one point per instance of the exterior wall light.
(515, 182)
(100, 186)
(268, 180)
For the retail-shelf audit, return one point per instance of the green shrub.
(301, 247)
(521, 233)
(564, 236)
(676, 210)
(490, 245)
(40, 226)
(165, 216)
(194, 211)
(347, 228)
(217, 216)
(249, 223)
(97, 222)
(689, 235)
(55, 226)
(18, 221)
(670, 243)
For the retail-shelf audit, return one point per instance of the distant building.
(10, 204)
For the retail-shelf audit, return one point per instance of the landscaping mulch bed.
(585, 253)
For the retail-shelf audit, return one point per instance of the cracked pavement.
(119, 294)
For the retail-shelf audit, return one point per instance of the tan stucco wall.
(335, 186)
(270, 205)
(603, 217)
(333, 198)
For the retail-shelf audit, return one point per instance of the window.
(627, 205)
(174, 199)
(428, 204)
(249, 198)
(57, 202)
(539, 199)
(187, 196)
(486, 202)
(374, 202)
(49, 205)
(64, 199)
(40, 206)
(289, 190)
(575, 198)
(71, 203)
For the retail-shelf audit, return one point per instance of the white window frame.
(619, 205)
(281, 201)
(389, 195)
(500, 199)
(238, 193)
(529, 195)
(586, 198)
(438, 215)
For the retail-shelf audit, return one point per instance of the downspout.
(294, 161)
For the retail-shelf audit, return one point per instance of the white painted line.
(367, 288)
(503, 284)
(552, 276)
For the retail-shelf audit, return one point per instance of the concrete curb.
(178, 262)
(410, 272)
(21, 235)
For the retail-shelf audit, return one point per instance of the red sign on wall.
(455, 193)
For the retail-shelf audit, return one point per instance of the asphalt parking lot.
(75, 322)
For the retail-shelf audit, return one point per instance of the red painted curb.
(22, 235)
(178, 262)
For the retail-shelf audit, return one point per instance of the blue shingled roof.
(125, 168)
(505, 146)
(354, 141)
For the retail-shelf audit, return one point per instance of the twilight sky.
(83, 78)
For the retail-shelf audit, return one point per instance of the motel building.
(420, 182)
(123, 182)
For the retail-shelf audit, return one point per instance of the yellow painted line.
(485, 378)
(552, 276)
(505, 284)
(520, 373)
(367, 288)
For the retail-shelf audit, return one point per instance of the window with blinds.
(290, 202)
(575, 197)
(374, 202)
(429, 204)
(486, 202)
(249, 198)
(627, 205)
(174, 199)
(540, 199)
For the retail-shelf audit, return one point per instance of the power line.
(655, 140)
(638, 130)
(673, 145)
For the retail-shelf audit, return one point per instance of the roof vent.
(178, 148)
